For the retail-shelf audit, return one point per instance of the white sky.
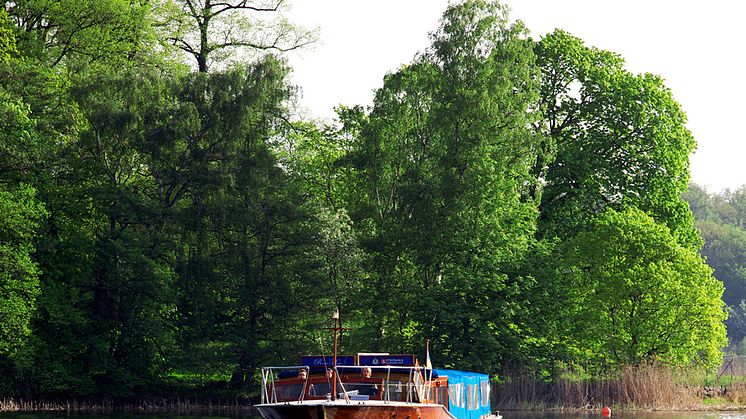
(697, 47)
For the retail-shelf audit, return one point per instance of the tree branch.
(225, 6)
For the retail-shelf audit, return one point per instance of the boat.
(372, 385)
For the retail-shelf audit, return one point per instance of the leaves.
(619, 139)
(639, 296)
(517, 202)
(19, 273)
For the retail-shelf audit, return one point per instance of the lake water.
(506, 415)
(121, 416)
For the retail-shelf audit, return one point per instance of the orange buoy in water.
(606, 412)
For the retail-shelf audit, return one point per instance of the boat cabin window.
(441, 394)
(370, 387)
(456, 394)
(395, 389)
(319, 389)
(289, 390)
(485, 392)
(472, 397)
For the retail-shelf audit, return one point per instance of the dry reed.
(176, 406)
(653, 388)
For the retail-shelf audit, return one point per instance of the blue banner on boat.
(393, 360)
(323, 361)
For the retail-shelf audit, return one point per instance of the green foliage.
(40, 118)
(164, 228)
(86, 30)
(19, 273)
(618, 140)
(635, 296)
(444, 159)
(721, 219)
(725, 251)
(7, 39)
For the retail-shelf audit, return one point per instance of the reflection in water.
(506, 415)
(122, 416)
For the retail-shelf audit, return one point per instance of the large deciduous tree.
(445, 157)
(208, 30)
(631, 294)
(613, 139)
(720, 220)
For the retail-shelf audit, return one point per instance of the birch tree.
(215, 30)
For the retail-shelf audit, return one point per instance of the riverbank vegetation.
(170, 225)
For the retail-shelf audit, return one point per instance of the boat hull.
(353, 411)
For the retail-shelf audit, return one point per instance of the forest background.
(170, 225)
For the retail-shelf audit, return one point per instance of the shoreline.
(168, 406)
(209, 408)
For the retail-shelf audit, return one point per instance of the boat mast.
(337, 328)
(335, 316)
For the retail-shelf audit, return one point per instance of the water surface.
(506, 415)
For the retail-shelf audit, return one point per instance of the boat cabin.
(379, 377)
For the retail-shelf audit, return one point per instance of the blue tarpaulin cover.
(468, 393)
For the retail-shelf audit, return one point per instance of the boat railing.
(270, 388)
(405, 384)
(275, 390)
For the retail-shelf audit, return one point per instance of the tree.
(19, 274)
(105, 320)
(314, 157)
(7, 39)
(700, 202)
(209, 30)
(731, 207)
(85, 30)
(246, 270)
(725, 252)
(720, 223)
(618, 140)
(444, 157)
(633, 295)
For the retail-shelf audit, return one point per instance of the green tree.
(700, 202)
(730, 207)
(614, 139)
(314, 157)
(7, 39)
(247, 275)
(85, 30)
(725, 252)
(215, 30)
(634, 295)
(23, 213)
(444, 158)
(19, 274)
(720, 222)
(104, 324)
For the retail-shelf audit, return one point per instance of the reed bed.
(652, 388)
(171, 406)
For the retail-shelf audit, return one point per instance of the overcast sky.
(696, 47)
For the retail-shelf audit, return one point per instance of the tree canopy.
(613, 139)
(169, 229)
(638, 295)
